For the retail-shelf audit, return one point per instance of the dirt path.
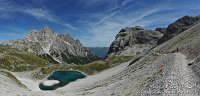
(177, 79)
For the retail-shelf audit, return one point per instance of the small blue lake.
(64, 77)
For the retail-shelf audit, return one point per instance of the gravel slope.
(27, 80)
(177, 79)
(10, 88)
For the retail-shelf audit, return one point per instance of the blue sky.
(93, 22)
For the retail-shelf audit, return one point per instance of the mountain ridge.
(133, 41)
(177, 27)
(61, 48)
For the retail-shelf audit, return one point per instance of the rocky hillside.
(56, 48)
(15, 60)
(99, 51)
(177, 27)
(133, 41)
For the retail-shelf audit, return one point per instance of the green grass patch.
(31, 59)
(17, 61)
(89, 69)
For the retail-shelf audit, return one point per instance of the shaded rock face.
(53, 46)
(177, 27)
(132, 41)
(161, 30)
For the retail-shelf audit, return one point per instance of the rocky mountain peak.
(54, 46)
(137, 28)
(161, 30)
(46, 29)
(133, 40)
(66, 38)
(78, 42)
(177, 27)
(130, 29)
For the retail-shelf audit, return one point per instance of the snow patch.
(45, 47)
(57, 60)
(50, 82)
(67, 43)
(46, 50)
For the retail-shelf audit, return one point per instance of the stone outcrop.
(161, 30)
(132, 41)
(177, 27)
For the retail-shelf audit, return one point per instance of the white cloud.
(102, 34)
(107, 17)
(142, 14)
(5, 10)
(39, 13)
(4, 15)
(125, 2)
(9, 9)
(46, 15)
(70, 26)
(106, 29)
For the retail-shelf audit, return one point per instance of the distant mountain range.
(99, 51)
(56, 48)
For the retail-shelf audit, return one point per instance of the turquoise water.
(64, 77)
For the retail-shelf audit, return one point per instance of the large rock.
(161, 30)
(132, 41)
(177, 27)
(57, 48)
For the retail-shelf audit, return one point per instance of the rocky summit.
(133, 41)
(56, 48)
(177, 27)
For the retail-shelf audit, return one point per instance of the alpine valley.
(139, 61)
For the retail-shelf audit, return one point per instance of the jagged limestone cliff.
(177, 27)
(56, 48)
(132, 41)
